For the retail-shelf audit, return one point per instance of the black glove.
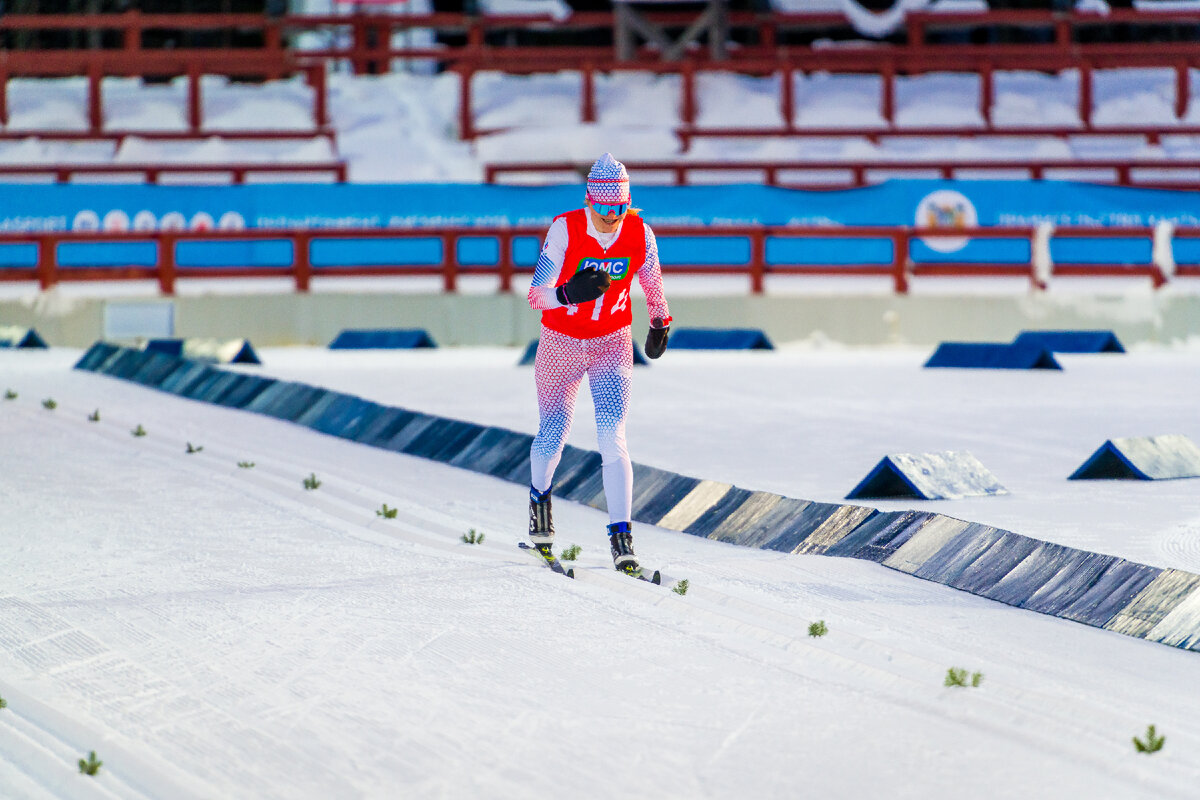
(584, 287)
(656, 338)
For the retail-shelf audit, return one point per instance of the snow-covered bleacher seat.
(269, 126)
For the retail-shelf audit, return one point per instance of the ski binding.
(546, 553)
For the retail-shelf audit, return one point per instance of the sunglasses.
(604, 209)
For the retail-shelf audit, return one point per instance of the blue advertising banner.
(940, 203)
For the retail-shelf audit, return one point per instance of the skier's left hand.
(584, 287)
(656, 337)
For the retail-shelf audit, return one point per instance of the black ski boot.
(620, 538)
(541, 518)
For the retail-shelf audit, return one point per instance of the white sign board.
(139, 320)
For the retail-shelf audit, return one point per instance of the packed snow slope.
(216, 630)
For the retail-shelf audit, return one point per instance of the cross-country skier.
(581, 285)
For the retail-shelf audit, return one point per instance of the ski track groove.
(49, 759)
(50, 762)
(285, 489)
(1180, 545)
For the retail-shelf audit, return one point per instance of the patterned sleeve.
(549, 265)
(650, 277)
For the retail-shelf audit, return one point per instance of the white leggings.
(561, 363)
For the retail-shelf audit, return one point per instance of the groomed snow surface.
(213, 631)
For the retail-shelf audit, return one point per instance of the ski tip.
(656, 579)
(571, 572)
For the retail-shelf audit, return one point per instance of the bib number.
(622, 302)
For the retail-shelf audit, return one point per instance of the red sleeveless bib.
(611, 311)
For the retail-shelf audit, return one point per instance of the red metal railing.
(96, 64)
(1150, 134)
(1065, 25)
(373, 51)
(369, 34)
(1124, 172)
(117, 136)
(889, 62)
(900, 269)
(369, 48)
(153, 173)
(375, 26)
(132, 23)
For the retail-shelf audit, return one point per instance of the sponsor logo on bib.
(616, 268)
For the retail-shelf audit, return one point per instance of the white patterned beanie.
(607, 181)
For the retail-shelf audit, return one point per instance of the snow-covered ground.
(216, 631)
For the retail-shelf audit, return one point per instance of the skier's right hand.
(656, 337)
(584, 287)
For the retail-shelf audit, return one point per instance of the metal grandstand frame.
(368, 48)
(858, 173)
(900, 270)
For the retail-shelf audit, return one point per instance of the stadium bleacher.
(144, 92)
(855, 89)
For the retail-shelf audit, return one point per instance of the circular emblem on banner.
(145, 220)
(231, 221)
(116, 220)
(948, 209)
(173, 221)
(202, 221)
(86, 220)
